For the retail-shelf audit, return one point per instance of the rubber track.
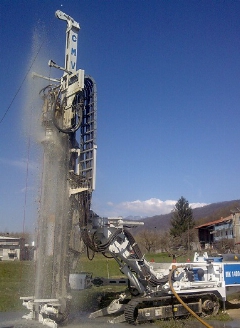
(129, 312)
(130, 308)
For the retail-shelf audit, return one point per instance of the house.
(11, 248)
(228, 228)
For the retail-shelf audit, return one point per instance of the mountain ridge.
(201, 215)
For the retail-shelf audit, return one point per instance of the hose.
(152, 279)
(181, 301)
(78, 113)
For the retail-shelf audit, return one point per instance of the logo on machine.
(232, 273)
(73, 52)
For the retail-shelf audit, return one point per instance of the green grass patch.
(189, 322)
(100, 266)
(165, 258)
(16, 279)
(95, 298)
(222, 316)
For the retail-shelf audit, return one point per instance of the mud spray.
(48, 147)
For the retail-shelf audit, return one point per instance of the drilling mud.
(80, 319)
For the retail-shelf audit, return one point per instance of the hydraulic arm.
(152, 286)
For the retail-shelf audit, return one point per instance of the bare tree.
(225, 246)
(148, 239)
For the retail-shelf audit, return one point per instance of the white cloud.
(149, 207)
(195, 205)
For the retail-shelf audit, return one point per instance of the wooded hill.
(201, 215)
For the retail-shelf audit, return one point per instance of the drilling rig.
(66, 223)
(69, 117)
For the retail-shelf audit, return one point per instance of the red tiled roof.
(214, 222)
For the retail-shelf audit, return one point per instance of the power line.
(20, 87)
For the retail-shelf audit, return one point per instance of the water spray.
(68, 180)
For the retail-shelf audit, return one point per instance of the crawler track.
(167, 306)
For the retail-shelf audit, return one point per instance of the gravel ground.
(13, 320)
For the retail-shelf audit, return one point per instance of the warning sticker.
(158, 312)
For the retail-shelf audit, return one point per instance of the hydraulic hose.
(181, 301)
(153, 280)
(78, 115)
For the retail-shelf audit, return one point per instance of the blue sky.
(168, 80)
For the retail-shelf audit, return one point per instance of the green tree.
(182, 218)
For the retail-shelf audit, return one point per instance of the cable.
(181, 301)
(153, 280)
(82, 101)
(21, 84)
(77, 109)
(26, 184)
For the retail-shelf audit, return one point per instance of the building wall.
(211, 233)
(236, 220)
(7, 254)
(223, 231)
(10, 248)
(205, 237)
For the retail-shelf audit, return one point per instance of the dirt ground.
(13, 320)
(233, 309)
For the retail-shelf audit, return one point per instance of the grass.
(165, 258)
(94, 298)
(100, 266)
(16, 279)
(189, 322)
